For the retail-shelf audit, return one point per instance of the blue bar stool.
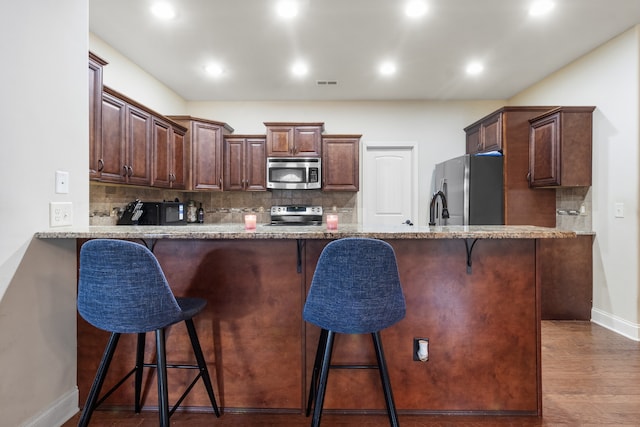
(355, 290)
(122, 290)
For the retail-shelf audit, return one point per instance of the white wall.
(44, 118)
(129, 79)
(608, 78)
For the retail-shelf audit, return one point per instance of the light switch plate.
(619, 210)
(60, 214)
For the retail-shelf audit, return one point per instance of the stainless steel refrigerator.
(473, 188)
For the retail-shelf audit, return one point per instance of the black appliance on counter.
(296, 215)
(154, 213)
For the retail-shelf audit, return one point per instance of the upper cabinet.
(95, 115)
(245, 162)
(508, 129)
(138, 146)
(294, 139)
(560, 148)
(485, 135)
(340, 162)
(169, 163)
(204, 142)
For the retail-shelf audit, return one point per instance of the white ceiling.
(345, 40)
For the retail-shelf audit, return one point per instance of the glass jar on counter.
(192, 212)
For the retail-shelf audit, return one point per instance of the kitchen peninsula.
(473, 291)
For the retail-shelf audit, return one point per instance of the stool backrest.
(122, 288)
(356, 287)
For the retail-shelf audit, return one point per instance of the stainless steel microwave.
(294, 173)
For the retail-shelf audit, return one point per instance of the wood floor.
(590, 377)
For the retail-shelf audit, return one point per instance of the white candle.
(332, 222)
(250, 222)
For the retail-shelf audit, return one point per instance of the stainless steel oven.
(294, 173)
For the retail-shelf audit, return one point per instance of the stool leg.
(139, 369)
(202, 364)
(322, 342)
(384, 376)
(163, 392)
(322, 383)
(92, 398)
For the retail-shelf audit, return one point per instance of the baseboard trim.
(616, 324)
(60, 411)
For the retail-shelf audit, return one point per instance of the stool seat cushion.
(355, 288)
(123, 289)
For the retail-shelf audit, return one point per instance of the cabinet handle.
(100, 165)
(124, 171)
(130, 171)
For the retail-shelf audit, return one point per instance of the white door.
(389, 193)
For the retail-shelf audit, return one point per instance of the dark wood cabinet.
(508, 129)
(203, 140)
(169, 166)
(245, 162)
(485, 135)
(137, 164)
(560, 148)
(95, 115)
(566, 271)
(112, 156)
(341, 162)
(126, 132)
(294, 139)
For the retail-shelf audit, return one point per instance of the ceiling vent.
(326, 82)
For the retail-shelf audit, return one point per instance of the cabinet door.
(207, 157)
(95, 120)
(306, 141)
(113, 140)
(138, 146)
(179, 165)
(544, 159)
(255, 165)
(491, 133)
(340, 164)
(474, 145)
(162, 153)
(280, 141)
(234, 164)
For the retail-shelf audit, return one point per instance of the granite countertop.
(266, 231)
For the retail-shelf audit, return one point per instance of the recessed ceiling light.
(214, 70)
(287, 9)
(163, 10)
(541, 7)
(387, 68)
(415, 8)
(474, 68)
(300, 69)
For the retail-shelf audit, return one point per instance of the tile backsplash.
(107, 201)
(574, 208)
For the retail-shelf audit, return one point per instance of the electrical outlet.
(60, 214)
(420, 349)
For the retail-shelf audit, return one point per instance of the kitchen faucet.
(432, 207)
